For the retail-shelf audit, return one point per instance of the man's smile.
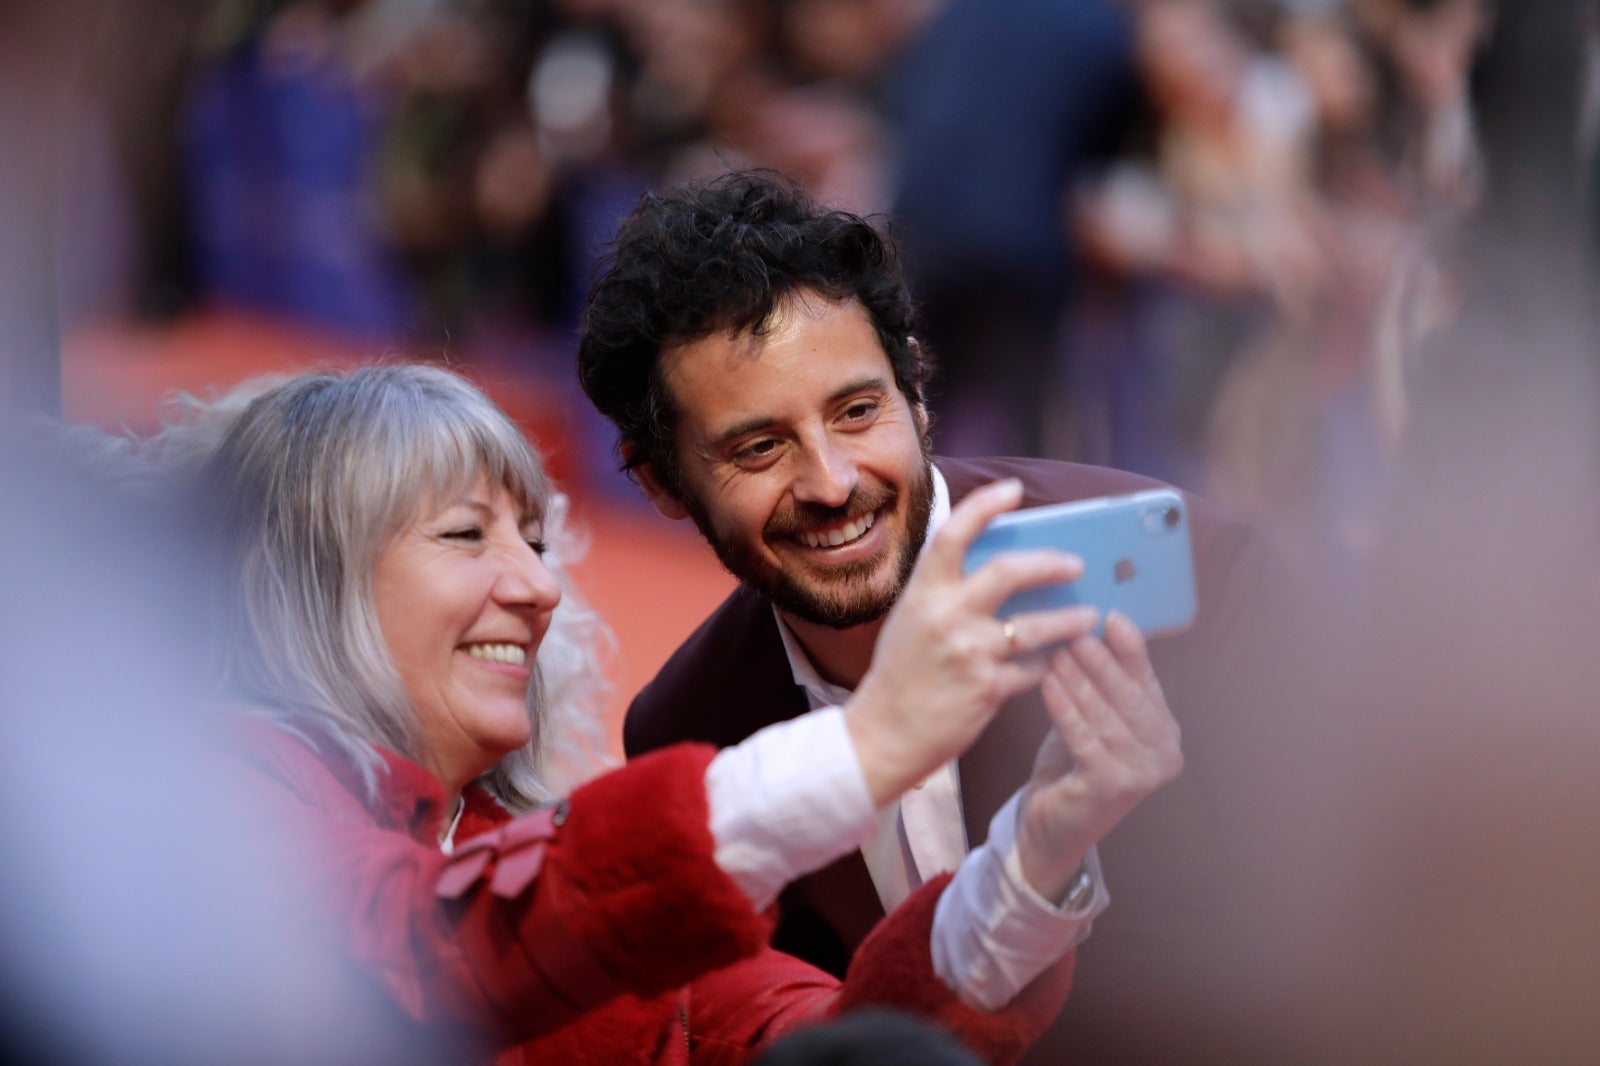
(822, 544)
(843, 533)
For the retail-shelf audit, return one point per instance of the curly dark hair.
(720, 257)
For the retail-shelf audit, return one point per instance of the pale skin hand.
(1114, 742)
(943, 666)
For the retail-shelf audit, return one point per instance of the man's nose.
(829, 475)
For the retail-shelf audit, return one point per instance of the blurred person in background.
(40, 55)
(999, 107)
(136, 926)
(120, 947)
(1246, 272)
(279, 129)
(1427, 48)
(401, 670)
(1210, 234)
(1444, 879)
(760, 356)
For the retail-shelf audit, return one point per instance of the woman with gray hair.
(386, 597)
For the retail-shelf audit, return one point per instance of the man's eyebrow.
(869, 383)
(739, 429)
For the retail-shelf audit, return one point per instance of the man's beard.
(843, 596)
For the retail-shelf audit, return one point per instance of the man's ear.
(656, 491)
(919, 408)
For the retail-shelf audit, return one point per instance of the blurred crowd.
(1199, 239)
(1329, 262)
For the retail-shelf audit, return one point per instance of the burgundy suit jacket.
(1166, 866)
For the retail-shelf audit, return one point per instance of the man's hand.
(1114, 743)
(944, 664)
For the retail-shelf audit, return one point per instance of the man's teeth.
(514, 654)
(843, 535)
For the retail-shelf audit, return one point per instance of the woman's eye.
(467, 533)
(538, 545)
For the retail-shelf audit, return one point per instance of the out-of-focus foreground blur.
(1331, 263)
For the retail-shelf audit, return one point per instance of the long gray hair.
(312, 480)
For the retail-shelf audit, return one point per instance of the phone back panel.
(1135, 549)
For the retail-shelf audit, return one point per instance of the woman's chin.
(508, 736)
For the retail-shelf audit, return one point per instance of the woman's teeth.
(515, 654)
(843, 535)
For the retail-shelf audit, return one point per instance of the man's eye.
(860, 412)
(756, 451)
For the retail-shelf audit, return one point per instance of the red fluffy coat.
(626, 943)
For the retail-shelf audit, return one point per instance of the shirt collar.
(822, 693)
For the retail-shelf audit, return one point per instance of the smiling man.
(758, 355)
(804, 466)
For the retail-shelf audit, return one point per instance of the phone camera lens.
(1172, 516)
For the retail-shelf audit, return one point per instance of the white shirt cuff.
(786, 801)
(992, 933)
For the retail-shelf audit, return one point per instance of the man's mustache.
(803, 516)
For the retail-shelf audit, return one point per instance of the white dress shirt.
(992, 932)
(791, 798)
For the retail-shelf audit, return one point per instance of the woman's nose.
(525, 580)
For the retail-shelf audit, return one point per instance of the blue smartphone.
(1136, 556)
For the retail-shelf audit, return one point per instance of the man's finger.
(1012, 572)
(1037, 630)
(1067, 717)
(1066, 669)
(1151, 718)
(1125, 693)
(1128, 645)
(967, 519)
(1013, 677)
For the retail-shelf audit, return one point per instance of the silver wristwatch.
(1080, 890)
